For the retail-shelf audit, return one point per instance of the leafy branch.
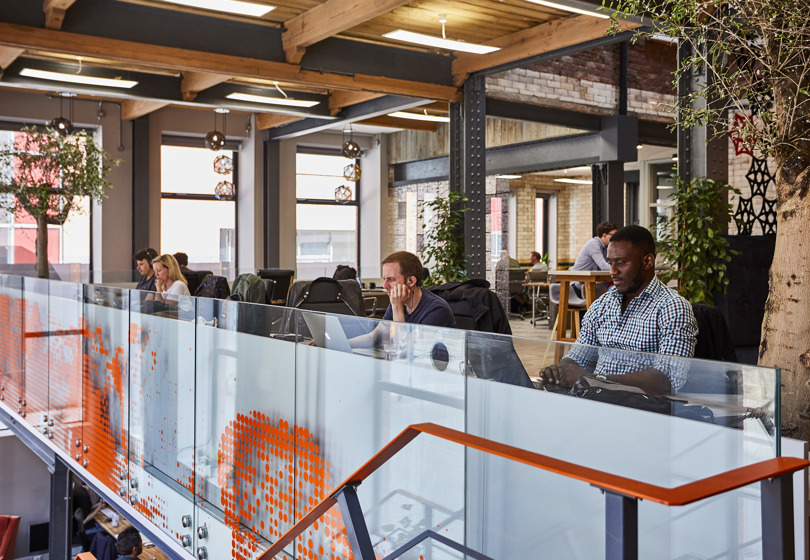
(443, 245)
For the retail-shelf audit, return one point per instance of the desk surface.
(596, 274)
(150, 551)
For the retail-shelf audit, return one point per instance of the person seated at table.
(129, 543)
(536, 260)
(170, 283)
(593, 253)
(83, 512)
(143, 262)
(637, 313)
(409, 303)
(182, 262)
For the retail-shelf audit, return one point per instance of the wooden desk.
(150, 551)
(535, 289)
(589, 278)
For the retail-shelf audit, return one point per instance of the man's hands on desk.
(567, 372)
(563, 374)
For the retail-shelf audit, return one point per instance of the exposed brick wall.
(574, 221)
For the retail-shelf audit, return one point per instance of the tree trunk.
(786, 326)
(42, 247)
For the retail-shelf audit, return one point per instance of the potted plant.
(692, 242)
(46, 173)
(443, 245)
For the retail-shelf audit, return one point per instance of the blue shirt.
(592, 256)
(431, 310)
(658, 321)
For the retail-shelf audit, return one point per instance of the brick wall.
(574, 221)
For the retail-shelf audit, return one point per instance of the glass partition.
(224, 422)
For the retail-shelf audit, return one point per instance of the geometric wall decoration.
(746, 215)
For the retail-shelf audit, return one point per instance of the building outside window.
(68, 244)
(326, 228)
(193, 219)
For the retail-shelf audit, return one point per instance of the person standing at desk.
(637, 313)
(593, 253)
(129, 543)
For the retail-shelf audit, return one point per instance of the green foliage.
(746, 49)
(443, 244)
(46, 172)
(691, 242)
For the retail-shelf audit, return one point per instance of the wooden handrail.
(678, 496)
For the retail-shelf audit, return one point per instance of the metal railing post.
(776, 495)
(355, 523)
(621, 527)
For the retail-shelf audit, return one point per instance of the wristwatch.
(600, 376)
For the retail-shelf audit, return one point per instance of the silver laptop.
(327, 332)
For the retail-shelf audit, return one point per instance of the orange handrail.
(678, 496)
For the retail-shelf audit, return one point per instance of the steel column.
(140, 186)
(776, 497)
(60, 522)
(608, 193)
(702, 149)
(473, 170)
(621, 527)
(272, 205)
(355, 523)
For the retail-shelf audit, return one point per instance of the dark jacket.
(484, 306)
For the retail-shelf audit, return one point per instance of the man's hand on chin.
(399, 294)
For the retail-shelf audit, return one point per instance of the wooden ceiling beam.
(541, 39)
(195, 82)
(340, 99)
(406, 124)
(55, 12)
(266, 121)
(328, 19)
(133, 108)
(7, 56)
(185, 60)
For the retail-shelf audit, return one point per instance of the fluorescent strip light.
(574, 181)
(77, 78)
(430, 41)
(230, 6)
(568, 9)
(418, 116)
(508, 176)
(271, 100)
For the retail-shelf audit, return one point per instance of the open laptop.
(327, 332)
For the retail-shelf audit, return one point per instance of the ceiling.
(330, 53)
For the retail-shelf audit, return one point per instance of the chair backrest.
(193, 278)
(554, 296)
(249, 287)
(474, 306)
(283, 278)
(269, 289)
(9, 524)
(537, 275)
(328, 295)
(516, 278)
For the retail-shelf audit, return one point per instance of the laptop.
(327, 332)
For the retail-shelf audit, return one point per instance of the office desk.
(535, 288)
(150, 551)
(589, 278)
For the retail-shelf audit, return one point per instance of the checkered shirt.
(658, 322)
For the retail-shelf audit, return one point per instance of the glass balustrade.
(224, 422)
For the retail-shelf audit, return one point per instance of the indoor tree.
(46, 174)
(443, 246)
(756, 55)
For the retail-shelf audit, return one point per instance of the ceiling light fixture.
(230, 6)
(62, 125)
(569, 9)
(419, 116)
(508, 176)
(271, 100)
(215, 140)
(574, 181)
(430, 41)
(351, 149)
(77, 78)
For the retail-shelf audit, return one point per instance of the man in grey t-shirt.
(593, 253)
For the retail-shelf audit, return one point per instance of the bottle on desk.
(115, 519)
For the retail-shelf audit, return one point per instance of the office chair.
(517, 291)
(284, 280)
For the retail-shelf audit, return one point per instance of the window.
(541, 204)
(327, 229)
(192, 219)
(495, 228)
(68, 244)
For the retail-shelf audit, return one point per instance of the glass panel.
(323, 165)
(721, 418)
(401, 377)
(66, 334)
(11, 341)
(326, 237)
(245, 421)
(36, 364)
(213, 243)
(162, 411)
(190, 170)
(106, 393)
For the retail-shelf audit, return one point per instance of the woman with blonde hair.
(170, 283)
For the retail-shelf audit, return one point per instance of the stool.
(575, 305)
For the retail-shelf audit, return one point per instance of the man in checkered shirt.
(637, 313)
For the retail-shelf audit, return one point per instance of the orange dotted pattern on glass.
(35, 394)
(266, 468)
(11, 342)
(65, 396)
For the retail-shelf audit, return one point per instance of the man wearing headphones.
(143, 258)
